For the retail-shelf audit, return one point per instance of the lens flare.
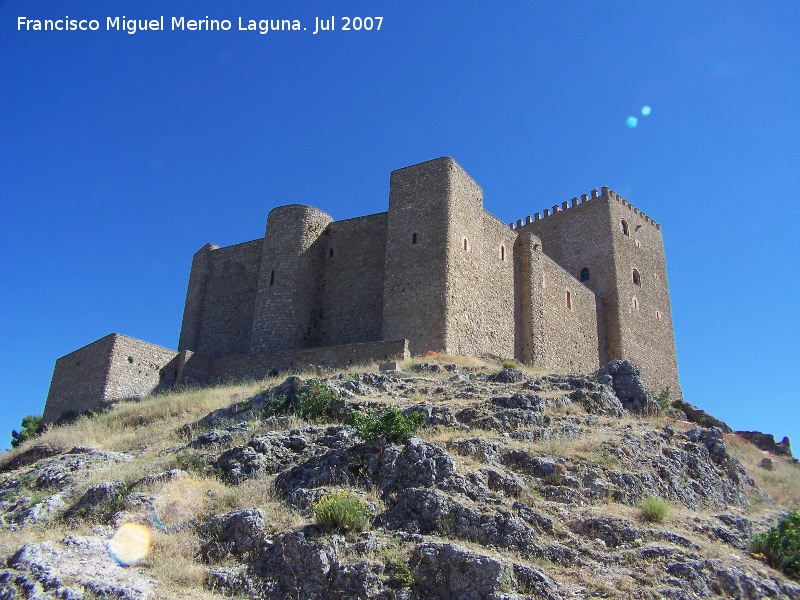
(645, 110)
(178, 502)
(632, 122)
(129, 544)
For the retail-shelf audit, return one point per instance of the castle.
(567, 290)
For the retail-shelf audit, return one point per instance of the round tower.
(288, 300)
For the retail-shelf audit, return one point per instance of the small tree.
(31, 427)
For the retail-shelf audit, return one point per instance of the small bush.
(781, 545)
(341, 510)
(316, 403)
(390, 424)
(31, 427)
(662, 400)
(654, 509)
(509, 364)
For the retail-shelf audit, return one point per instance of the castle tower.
(287, 303)
(414, 299)
(618, 252)
(449, 270)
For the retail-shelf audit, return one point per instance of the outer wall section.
(287, 308)
(79, 379)
(136, 368)
(480, 274)
(352, 294)
(414, 286)
(577, 237)
(221, 298)
(570, 321)
(115, 367)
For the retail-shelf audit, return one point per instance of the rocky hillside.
(515, 485)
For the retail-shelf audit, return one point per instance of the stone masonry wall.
(135, 368)
(258, 366)
(352, 287)
(480, 274)
(528, 309)
(79, 379)
(570, 326)
(229, 300)
(195, 298)
(579, 236)
(115, 367)
(287, 307)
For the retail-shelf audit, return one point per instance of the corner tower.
(618, 252)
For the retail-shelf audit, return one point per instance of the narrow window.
(659, 316)
(330, 253)
(465, 243)
(585, 275)
(413, 238)
(272, 278)
(637, 280)
(657, 276)
(635, 302)
(502, 252)
(624, 226)
(569, 300)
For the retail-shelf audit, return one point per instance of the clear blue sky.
(121, 155)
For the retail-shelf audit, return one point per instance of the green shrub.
(316, 402)
(31, 427)
(390, 424)
(509, 364)
(341, 510)
(654, 509)
(781, 545)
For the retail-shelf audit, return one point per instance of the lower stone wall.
(115, 367)
(136, 368)
(256, 366)
(79, 379)
(570, 326)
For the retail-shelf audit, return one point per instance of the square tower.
(618, 252)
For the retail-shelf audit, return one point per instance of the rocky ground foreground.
(519, 485)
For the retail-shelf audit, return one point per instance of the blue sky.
(121, 155)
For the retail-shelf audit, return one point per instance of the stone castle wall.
(570, 321)
(351, 302)
(479, 274)
(224, 301)
(115, 367)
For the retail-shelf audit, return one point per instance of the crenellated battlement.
(603, 193)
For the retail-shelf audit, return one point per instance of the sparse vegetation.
(654, 510)
(509, 364)
(390, 424)
(316, 403)
(780, 545)
(343, 511)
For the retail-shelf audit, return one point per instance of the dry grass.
(782, 485)
(258, 492)
(150, 423)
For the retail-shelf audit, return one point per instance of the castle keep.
(569, 289)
